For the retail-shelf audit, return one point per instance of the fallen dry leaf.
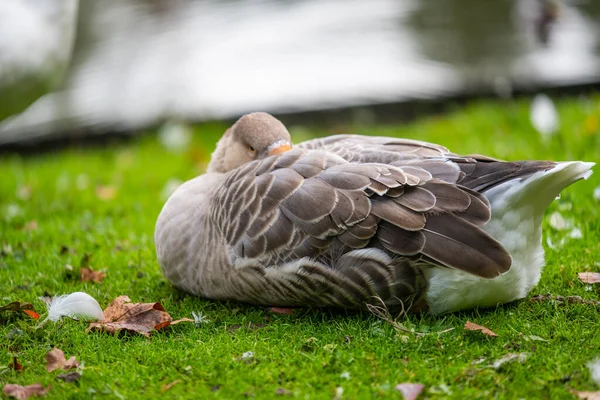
(32, 314)
(142, 318)
(105, 192)
(15, 364)
(17, 306)
(281, 310)
(69, 377)
(89, 275)
(168, 386)
(24, 392)
(55, 359)
(470, 326)
(586, 395)
(30, 226)
(589, 277)
(410, 391)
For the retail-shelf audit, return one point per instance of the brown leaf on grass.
(142, 318)
(589, 277)
(410, 391)
(69, 377)
(106, 192)
(25, 392)
(168, 386)
(15, 364)
(562, 299)
(281, 310)
(55, 359)
(32, 314)
(17, 306)
(30, 226)
(89, 275)
(470, 326)
(586, 395)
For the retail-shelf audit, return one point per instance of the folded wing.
(316, 204)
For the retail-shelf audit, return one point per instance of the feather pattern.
(339, 221)
(74, 305)
(309, 210)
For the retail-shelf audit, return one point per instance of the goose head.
(254, 136)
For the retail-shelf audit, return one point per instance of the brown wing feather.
(450, 240)
(349, 201)
(308, 227)
(486, 173)
(476, 172)
(344, 223)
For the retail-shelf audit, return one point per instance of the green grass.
(309, 353)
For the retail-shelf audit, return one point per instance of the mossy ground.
(314, 352)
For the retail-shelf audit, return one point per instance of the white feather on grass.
(544, 116)
(594, 367)
(74, 305)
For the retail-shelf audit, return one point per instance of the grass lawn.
(98, 206)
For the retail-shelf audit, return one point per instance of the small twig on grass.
(383, 313)
(446, 330)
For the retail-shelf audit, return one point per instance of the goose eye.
(251, 148)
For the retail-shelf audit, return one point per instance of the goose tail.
(538, 189)
(518, 206)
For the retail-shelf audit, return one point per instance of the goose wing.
(475, 171)
(316, 204)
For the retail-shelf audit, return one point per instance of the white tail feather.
(517, 210)
(74, 305)
(539, 189)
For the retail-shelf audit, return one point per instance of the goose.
(350, 220)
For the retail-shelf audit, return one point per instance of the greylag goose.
(351, 220)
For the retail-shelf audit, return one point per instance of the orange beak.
(281, 149)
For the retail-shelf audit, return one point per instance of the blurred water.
(36, 41)
(137, 62)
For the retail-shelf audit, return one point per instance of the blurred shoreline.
(332, 120)
(139, 63)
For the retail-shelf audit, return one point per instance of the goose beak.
(279, 147)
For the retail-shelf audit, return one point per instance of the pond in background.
(137, 62)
